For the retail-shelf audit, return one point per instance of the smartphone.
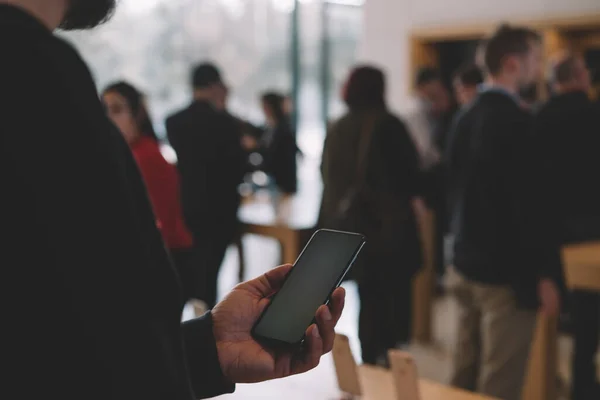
(319, 270)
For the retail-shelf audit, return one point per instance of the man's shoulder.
(177, 116)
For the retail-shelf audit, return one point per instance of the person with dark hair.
(567, 135)
(466, 81)
(278, 144)
(429, 114)
(93, 305)
(371, 175)
(124, 105)
(429, 124)
(502, 272)
(212, 163)
(249, 133)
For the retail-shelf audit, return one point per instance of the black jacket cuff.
(206, 377)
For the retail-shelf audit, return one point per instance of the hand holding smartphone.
(319, 270)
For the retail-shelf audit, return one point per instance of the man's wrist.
(221, 347)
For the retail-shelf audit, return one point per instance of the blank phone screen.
(316, 273)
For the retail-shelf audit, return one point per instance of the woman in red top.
(124, 105)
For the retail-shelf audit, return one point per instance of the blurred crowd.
(507, 171)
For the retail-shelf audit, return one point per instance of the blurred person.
(124, 105)
(212, 163)
(278, 144)
(466, 82)
(530, 97)
(371, 174)
(249, 132)
(429, 124)
(502, 271)
(567, 136)
(425, 121)
(95, 305)
(480, 56)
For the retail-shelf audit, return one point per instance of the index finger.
(336, 305)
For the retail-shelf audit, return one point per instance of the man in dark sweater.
(212, 163)
(500, 264)
(91, 304)
(567, 136)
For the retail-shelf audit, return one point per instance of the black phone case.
(275, 343)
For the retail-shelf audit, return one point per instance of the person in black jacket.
(370, 161)
(91, 303)
(466, 83)
(278, 144)
(501, 260)
(212, 163)
(567, 137)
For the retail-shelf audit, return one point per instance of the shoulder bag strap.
(364, 147)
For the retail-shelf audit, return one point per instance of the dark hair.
(365, 89)
(205, 75)
(469, 75)
(564, 70)
(507, 41)
(135, 100)
(275, 101)
(427, 75)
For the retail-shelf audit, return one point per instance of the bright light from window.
(234, 7)
(286, 6)
(139, 6)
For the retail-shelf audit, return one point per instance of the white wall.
(388, 24)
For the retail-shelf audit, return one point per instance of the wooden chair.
(582, 270)
(423, 283)
(540, 380)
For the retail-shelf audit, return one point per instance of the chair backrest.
(345, 366)
(582, 266)
(540, 379)
(406, 377)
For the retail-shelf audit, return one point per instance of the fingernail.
(327, 314)
(315, 333)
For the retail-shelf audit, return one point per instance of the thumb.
(267, 284)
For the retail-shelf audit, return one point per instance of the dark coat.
(496, 218)
(91, 304)
(392, 167)
(567, 142)
(280, 159)
(211, 162)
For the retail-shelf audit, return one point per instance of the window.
(155, 43)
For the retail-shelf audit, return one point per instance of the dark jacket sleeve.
(543, 201)
(81, 236)
(202, 359)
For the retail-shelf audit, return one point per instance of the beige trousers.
(494, 338)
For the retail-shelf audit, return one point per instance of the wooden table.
(400, 383)
(291, 223)
(378, 384)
